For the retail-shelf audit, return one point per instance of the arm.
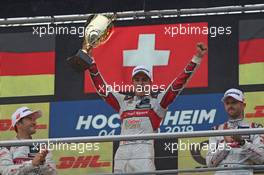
(255, 149)
(180, 82)
(217, 154)
(7, 167)
(114, 99)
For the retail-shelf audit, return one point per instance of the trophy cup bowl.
(97, 31)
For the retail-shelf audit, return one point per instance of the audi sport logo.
(134, 121)
(82, 162)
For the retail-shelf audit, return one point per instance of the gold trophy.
(97, 31)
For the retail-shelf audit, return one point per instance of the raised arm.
(112, 98)
(180, 82)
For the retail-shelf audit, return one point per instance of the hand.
(239, 139)
(201, 50)
(86, 48)
(228, 139)
(39, 159)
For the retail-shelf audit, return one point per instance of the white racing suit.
(140, 115)
(18, 161)
(233, 155)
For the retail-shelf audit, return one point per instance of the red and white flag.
(153, 46)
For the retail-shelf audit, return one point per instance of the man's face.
(233, 107)
(27, 125)
(142, 84)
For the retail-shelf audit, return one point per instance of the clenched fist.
(201, 50)
(228, 139)
(39, 159)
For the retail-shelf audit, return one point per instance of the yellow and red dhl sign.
(70, 162)
(91, 161)
(6, 125)
(259, 112)
(254, 111)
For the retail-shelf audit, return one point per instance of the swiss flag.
(150, 45)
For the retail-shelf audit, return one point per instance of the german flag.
(27, 65)
(251, 52)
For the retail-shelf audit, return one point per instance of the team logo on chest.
(132, 123)
(144, 103)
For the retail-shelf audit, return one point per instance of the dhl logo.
(6, 125)
(82, 162)
(259, 112)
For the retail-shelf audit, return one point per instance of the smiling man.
(142, 111)
(235, 150)
(25, 160)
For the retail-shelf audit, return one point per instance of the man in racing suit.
(140, 113)
(25, 160)
(234, 151)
